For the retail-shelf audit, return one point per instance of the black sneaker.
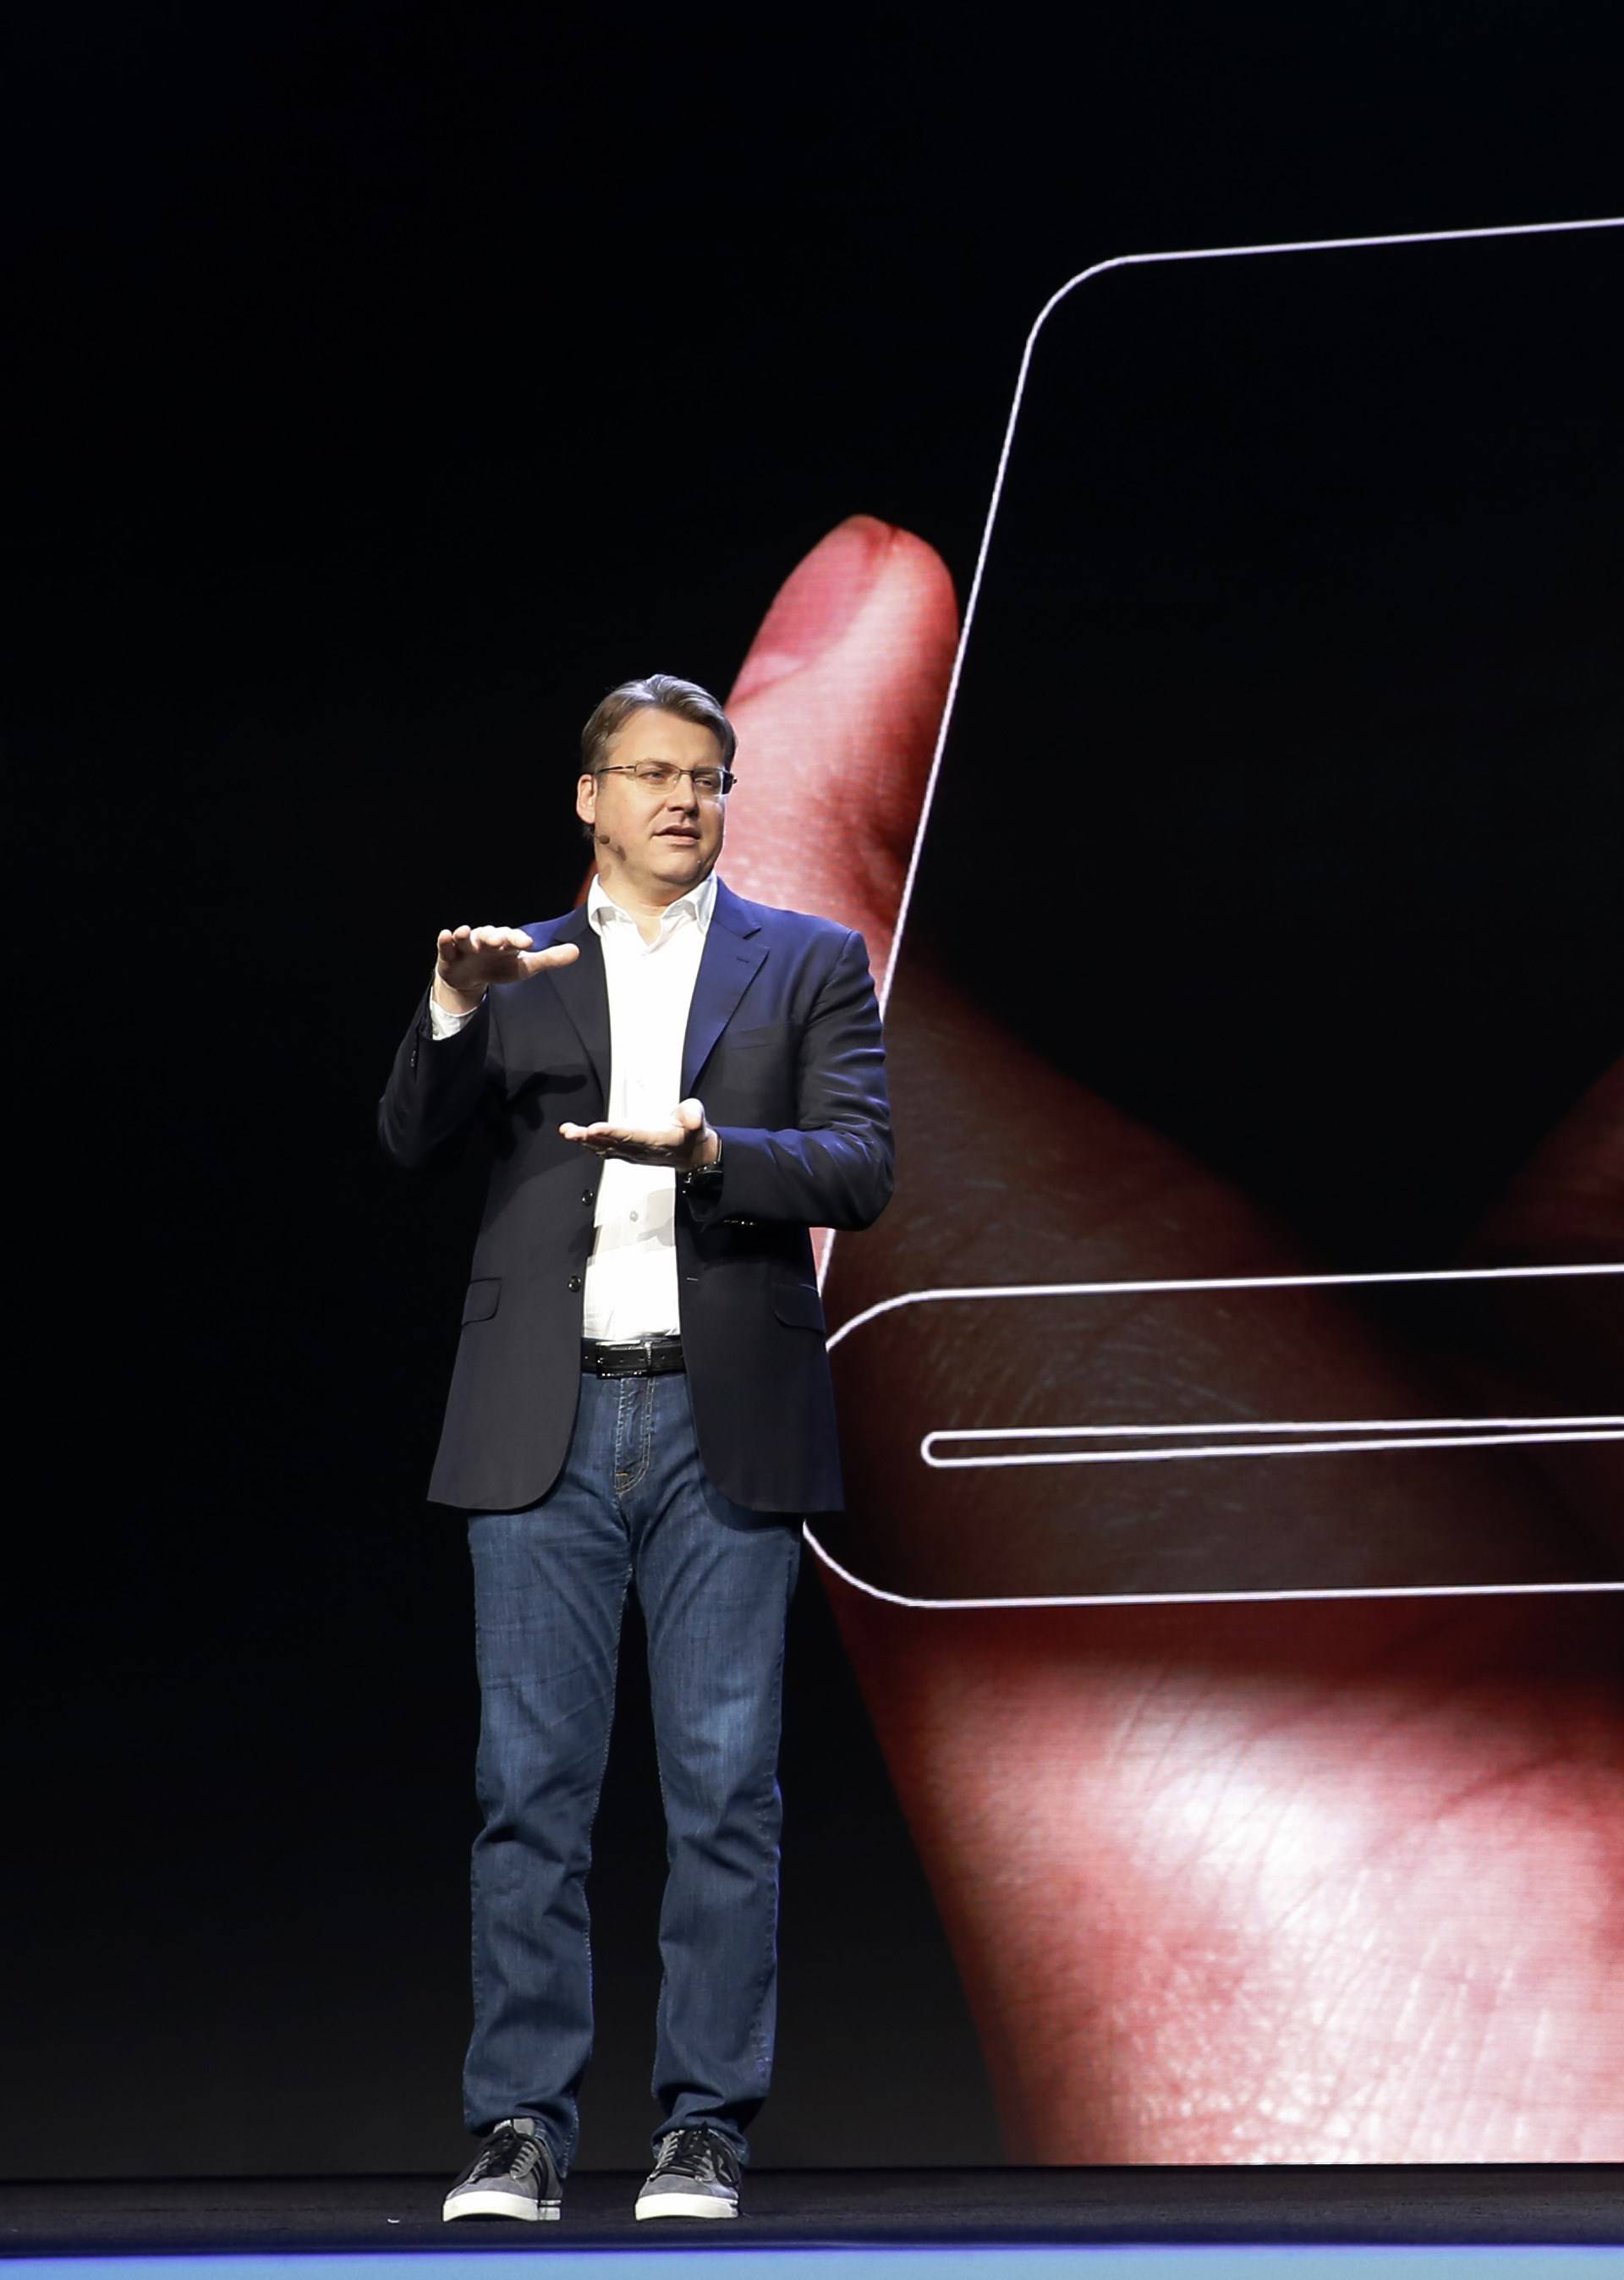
(512, 2174)
(695, 2173)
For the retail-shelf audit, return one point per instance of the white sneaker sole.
(498, 2205)
(684, 2205)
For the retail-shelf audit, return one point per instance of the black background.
(380, 385)
(1303, 592)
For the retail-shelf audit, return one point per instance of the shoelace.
(696, 2150)
(510, 2149)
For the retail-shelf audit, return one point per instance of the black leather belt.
(632, 1357)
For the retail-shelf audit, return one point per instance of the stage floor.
(852, 2215)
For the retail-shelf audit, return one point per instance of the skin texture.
(653, 846)
(469, 958)
(1334, 1880)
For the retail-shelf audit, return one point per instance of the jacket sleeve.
(436, 1087)
(835, 1167)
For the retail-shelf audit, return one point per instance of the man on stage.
(677, 1086)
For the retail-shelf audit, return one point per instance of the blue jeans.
(632, 1505)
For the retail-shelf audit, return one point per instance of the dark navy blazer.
(783, 1047)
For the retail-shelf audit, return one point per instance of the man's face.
(657, 841)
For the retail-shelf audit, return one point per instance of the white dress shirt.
(631, 1280)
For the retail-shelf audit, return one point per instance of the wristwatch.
(702, 1175)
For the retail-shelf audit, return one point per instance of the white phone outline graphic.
(1356, 1436)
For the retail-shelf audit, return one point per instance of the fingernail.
(816, 602)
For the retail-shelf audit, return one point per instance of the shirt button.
(575, 1282)
(631, 1215)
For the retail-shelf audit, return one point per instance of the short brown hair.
(661, 692)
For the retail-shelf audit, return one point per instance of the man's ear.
(586, 798)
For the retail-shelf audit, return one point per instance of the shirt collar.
(696, 906)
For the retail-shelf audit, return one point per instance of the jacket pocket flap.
(482, 1300)
(799, 1303)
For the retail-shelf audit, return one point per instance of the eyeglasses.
(659, 775)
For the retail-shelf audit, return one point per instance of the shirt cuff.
(442, 1024)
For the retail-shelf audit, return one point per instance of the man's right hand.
(471, 958)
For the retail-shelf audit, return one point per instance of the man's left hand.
(687, 1144)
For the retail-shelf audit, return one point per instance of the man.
(641, 1396)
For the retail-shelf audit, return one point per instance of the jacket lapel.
(583, 992)
(733, 951)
